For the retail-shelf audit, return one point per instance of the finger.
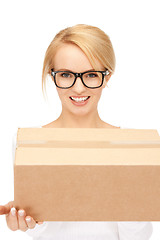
(6, 208)
(30, 222)
(12, 220)
(40, 223)
(21, 220)
(3, 210)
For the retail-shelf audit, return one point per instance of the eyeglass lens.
(66, 79)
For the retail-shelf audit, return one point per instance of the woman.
(80, 61)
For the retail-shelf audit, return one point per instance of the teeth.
(79, 99)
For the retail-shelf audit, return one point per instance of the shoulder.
(53, 124)
(106, 125)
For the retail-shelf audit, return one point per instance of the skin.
(72, 58)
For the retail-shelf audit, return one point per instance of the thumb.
(6, 208)
(39, 223)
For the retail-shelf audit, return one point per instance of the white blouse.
(85, 230)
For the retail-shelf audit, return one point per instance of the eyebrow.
(64, 69)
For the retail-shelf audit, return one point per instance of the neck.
(69, 120)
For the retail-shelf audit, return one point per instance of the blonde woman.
(80, 60)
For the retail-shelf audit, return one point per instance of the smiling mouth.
(78, 99)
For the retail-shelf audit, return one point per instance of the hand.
(17, 220)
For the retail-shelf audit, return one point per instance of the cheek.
(63, 94)
(97, 93)
(60, 92)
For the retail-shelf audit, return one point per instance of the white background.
(27, 28)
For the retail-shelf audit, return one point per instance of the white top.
(101, 230)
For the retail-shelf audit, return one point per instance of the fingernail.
(13, 211)
(28, 219)
(21, 213)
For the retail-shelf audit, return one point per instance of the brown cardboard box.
(89, 174)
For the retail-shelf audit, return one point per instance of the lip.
(79, 96)
(78, 103)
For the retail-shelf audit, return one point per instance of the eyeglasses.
(90, 79)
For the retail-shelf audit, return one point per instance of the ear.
(106, 79)
(105, 83)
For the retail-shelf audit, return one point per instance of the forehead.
(71, 57)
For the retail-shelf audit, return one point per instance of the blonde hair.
(94, 42)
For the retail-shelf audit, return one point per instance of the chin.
(80, 112)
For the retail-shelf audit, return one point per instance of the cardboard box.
(89, 174)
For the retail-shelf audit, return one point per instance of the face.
(71, 57)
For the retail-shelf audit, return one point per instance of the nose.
(78, 86)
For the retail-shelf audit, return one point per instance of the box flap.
(85, 134)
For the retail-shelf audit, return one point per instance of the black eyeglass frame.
(104, 73)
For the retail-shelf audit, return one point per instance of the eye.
(91, 75)
(65, 74)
